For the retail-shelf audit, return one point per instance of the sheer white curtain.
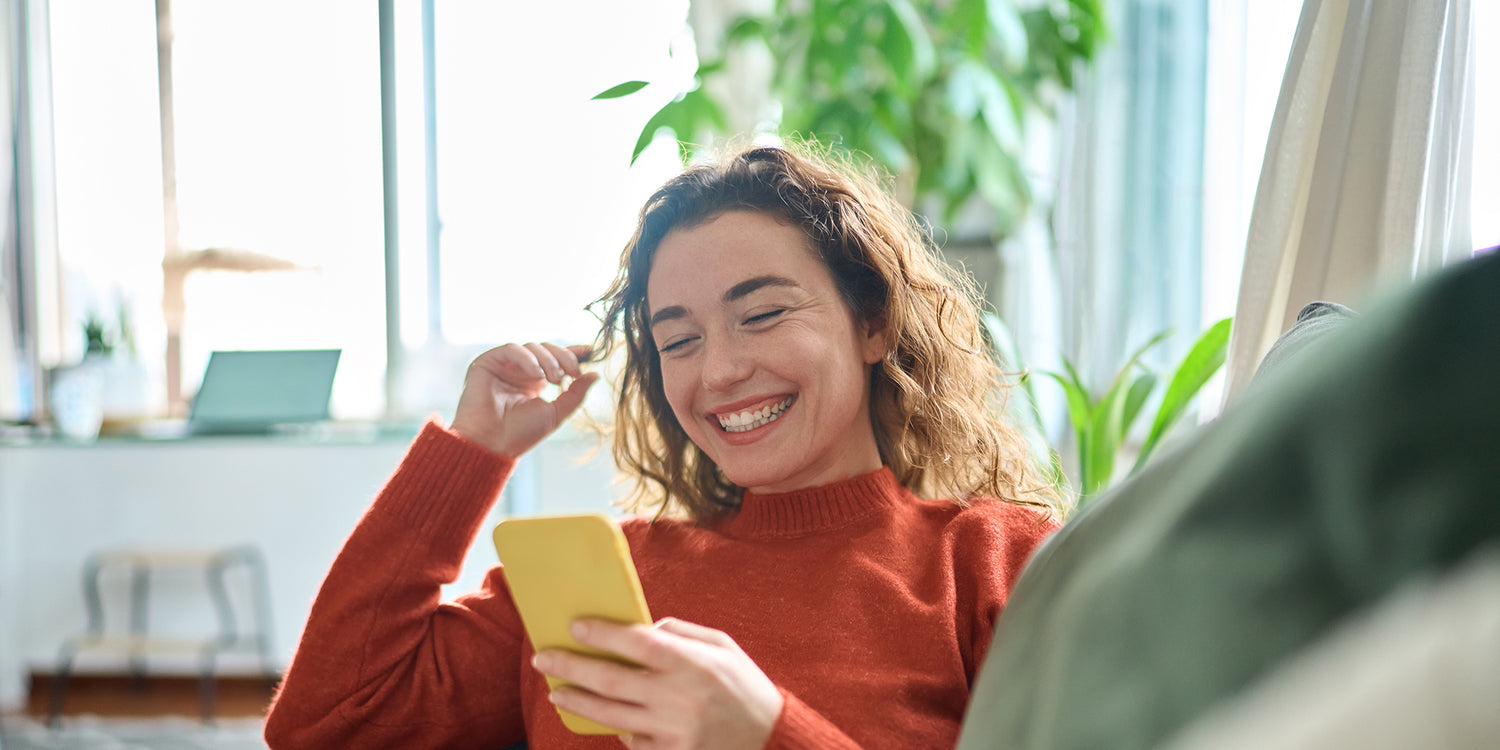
(10, 392)
(1366, 174)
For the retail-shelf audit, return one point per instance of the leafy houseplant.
(936, 93)
(1102, 422)
(96, 336)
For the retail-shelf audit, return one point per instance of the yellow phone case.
(562, 568)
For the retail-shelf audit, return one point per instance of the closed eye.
(676, 345)
(763, 317)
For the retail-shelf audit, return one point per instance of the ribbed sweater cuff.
(801, 728)
(444, 487)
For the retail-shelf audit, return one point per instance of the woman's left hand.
(695, 687)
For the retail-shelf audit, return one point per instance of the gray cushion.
(1316, 325)
(1311, 498)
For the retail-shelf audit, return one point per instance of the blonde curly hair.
(936, 398)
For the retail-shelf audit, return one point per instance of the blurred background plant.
(100, 338)
(97, 338)
(937, 93)
(1102, 421)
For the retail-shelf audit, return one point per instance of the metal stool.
(137, 645)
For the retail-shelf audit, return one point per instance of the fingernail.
(552, 696)
(541, 662)
(579, 629)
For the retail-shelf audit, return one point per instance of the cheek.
(677, 387)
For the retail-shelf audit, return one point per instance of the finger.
(629, 718)
(584, 352)
(548, 362)
(642, 644)
(572, 397)
(567, 360)
(510, 360)
(512, 365)
(602, 677)
(695, 632)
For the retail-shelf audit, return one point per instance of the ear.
(874, 345)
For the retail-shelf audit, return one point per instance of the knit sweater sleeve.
(801, 727)
(382, 662)
(990, 542)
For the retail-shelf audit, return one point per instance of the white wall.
(297, 500)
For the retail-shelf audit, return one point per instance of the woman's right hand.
(502, 408)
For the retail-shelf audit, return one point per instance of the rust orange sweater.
(870, 609)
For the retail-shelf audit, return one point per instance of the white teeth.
(748, 420)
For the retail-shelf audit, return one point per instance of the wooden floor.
(110, 695)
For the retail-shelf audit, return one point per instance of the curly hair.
(936, 398)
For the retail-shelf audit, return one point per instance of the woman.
(798, 369)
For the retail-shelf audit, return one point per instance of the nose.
(725, 363)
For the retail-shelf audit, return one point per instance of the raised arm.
(382, 661)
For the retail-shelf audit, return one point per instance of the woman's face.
(763, 364)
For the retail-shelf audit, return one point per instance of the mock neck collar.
(815, 509)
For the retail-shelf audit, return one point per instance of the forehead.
(706, 259)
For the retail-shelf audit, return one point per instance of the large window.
(274, 146)
(516, 191)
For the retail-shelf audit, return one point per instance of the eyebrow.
(748, 286)
(738, 291)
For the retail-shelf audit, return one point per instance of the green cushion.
(1327, 485)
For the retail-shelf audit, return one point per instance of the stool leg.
(207, 690)
(263, 615)
(228, 637)
(60, 686)
(139, 596)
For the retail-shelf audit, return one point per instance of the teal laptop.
(254, 392)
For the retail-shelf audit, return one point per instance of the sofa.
(1355, 486)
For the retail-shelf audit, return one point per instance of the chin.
(750, 477)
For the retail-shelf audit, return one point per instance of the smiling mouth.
(745, 421)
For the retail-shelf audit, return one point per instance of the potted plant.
(939, 94)
(1102, 422)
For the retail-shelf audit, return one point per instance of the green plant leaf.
(913, 45)
(1135, 398)
(625, 89)
(1010, 31)
(1001, 115)
(1079, 409)
(685, 117)
(994, 170)
(1107, 427)
(1090, 29)
(1075, 379)
(1096, 453)
(880, 143)
(962, 91)
(748, 27)
(1200, 364)
(648, 132)
(977, 30)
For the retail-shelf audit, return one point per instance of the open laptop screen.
(250, 391)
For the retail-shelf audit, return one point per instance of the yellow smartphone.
(562, 568)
